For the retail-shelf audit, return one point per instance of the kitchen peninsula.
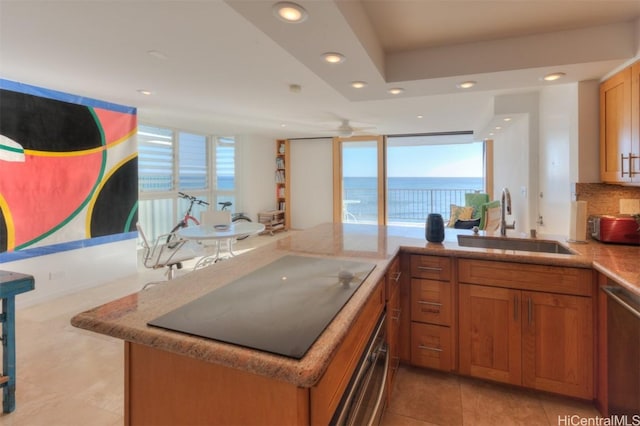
(199, 380)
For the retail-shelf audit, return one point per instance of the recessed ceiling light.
(290, 12)
(358, 84)
(420, 116)
(553, 76)
(333, 57)
(283, 125)
(507, 119)
(490, 133)
(145, 92)
(396, 90)
(498, 127)
(466, 84)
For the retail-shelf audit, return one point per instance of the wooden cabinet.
(539, 339)
(198, 392)
(282, 175)
(620, 127)
(394, 316)
(432, 313)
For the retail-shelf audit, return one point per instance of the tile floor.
(424, 397)
(71, 377)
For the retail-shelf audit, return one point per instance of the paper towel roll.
(578, 221)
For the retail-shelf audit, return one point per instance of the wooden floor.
(68, 377)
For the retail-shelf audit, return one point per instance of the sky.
(455, 160)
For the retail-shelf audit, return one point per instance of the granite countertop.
(127, 318)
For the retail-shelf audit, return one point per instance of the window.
(192, 162)
(172, 161)
(155, 159)
(225, 170)
(428, 173)
(403, 180)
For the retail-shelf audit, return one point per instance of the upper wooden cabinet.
(620, 127)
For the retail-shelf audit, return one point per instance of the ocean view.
(409, 200)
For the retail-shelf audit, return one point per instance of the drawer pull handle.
(429, 268)
(424, 302)
(397, 277)
(429, 348)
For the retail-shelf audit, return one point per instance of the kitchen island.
(233, 382)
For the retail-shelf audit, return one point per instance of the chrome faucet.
(505, 206)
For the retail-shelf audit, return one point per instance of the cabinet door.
(634, 163)
(615, 127)
(490, 333)
(557, 343)
(393, 338)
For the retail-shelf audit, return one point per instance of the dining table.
(219, 233)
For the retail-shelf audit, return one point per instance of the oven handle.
(611, 292)
(381, 393)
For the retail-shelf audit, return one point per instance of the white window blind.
(192, 161)
(155, 158)
(225, 164)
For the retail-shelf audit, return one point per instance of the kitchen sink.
(538, 246)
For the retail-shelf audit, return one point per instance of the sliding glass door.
(401, 180)
(359, 180)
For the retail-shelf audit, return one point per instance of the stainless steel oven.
(364, 399)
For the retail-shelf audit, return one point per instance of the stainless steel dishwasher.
(623, 351)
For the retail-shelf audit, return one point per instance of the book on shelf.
(279, 176)
(280, 163)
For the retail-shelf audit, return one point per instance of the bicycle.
(235, 217)
(183, 223)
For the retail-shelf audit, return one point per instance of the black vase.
(434, 229)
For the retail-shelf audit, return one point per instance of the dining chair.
(163, 254)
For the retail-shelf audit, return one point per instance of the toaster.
(621, 229)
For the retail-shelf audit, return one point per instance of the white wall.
(541, 156)
(69, 271)
(311, 182)
(256, 175)
(557, 170)
(511, 169)
(516, 156)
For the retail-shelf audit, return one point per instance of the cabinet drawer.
(431, 301)
(431, 267)
(431, 346)
(554, 279)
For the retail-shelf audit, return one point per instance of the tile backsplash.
(603, 198)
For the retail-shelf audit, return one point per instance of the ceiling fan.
(346, 130)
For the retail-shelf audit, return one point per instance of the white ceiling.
(226, 66)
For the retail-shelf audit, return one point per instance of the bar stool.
(11, 283)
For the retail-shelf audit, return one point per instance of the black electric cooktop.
(280, 308)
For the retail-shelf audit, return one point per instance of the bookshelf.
(282, 175)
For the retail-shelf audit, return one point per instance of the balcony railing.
(404, 206)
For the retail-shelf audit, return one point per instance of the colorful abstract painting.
(68, 171)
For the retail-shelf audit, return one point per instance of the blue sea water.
(475, 183)
(409, 200)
